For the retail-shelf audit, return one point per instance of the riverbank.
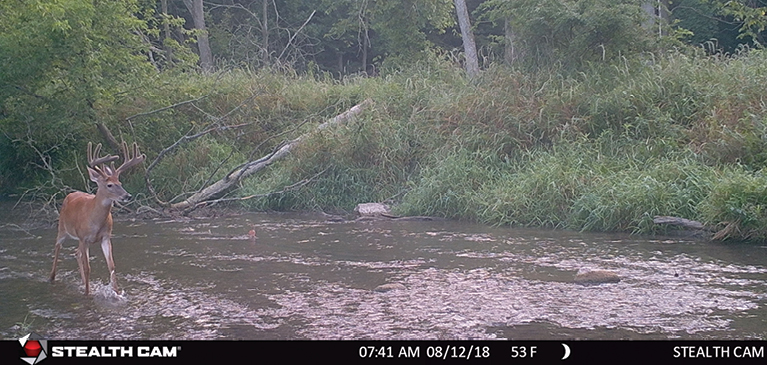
(602, 151)
(606, 149)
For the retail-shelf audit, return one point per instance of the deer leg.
(106, 246)
(85, 265)
(59, 239)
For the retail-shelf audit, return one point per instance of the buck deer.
(88, 218)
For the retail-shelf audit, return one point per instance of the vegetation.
(602, 129)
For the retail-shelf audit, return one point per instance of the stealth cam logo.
(35, 347)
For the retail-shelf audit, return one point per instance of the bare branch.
(214, 6)
(296, 33)
(179, 142)
(187, 138)
(165, 108)
(254, 166)
(254, 196)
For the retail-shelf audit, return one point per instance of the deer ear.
(95, 175)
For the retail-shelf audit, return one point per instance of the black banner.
(41, 351)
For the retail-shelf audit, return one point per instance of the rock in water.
(389, 287)
(372, 209)
(597, 277)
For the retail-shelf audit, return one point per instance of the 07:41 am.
(389, 352)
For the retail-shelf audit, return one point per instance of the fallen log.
(380, 211)
(682, 222)
(731, 229)
(252, 167)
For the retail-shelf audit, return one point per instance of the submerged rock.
(389, 287)
(597, 277)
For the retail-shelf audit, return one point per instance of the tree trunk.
(198, 16)
(265, 32)
(252, 167)
(469, 47)
(682, 222)
(656, 15)
(365, 55)
(166, 34)
(510, 54)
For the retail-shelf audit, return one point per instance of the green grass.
(738, 197)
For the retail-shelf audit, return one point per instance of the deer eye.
(110, 185)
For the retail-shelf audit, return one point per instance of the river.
(304, 277)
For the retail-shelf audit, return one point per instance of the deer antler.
(130, 160)
(97, 162)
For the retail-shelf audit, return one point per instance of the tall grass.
(575, 186)
(608, 150)
(738, 197)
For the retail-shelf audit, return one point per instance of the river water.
(304, 277)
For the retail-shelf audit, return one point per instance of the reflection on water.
(306, 278)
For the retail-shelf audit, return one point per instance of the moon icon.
(567, 351)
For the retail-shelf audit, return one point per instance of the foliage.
(605, 151)
(720, 25)
(751, 17)
(698, 17)
(448, 185)
(340, 36)
(60, 61)
(605, 185)
(573, 32)
(738, 197)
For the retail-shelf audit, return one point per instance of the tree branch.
(295, 34)
(253, 196)
(165, 108)
(175, 145)
(252, 167)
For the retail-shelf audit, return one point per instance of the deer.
(88, 217)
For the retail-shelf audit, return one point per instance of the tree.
(571, 33)
(166, 31)
(264, 32)
(721, 26)
(60, 62)
(469, 47)
(203, 45)
(751, 16)
(349, 31)
(397, 30)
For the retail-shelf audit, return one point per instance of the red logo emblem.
(36, 348)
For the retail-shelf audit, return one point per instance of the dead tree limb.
(241, 198)
(179, 142)
(730, 230)
(216, 127)
(107, 134)
(165, 108)
(682, 222)
(294, 35)
(252, 167)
